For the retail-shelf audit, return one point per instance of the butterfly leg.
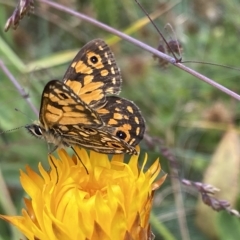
(80, 160)
(54, 167)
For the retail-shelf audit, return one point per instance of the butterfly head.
(36, 130)
(49, 135)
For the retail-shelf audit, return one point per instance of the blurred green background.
(198, 123)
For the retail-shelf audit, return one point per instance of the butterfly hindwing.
(94, 73)
(123, 119)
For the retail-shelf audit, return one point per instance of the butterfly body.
(79, 110)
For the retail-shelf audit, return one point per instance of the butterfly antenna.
(54, 167)
(11, 130)
(80, 160)
(159, 32)
(18, 110)
(14, 129)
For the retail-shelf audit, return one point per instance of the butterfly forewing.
(93, 73)
(61, 106)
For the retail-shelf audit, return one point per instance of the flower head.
(112, 201)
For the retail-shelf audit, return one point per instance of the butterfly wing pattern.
(124, 118)
(94, 73)
(81, 111)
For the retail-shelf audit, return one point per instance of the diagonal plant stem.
(143, 46)
(18, 86)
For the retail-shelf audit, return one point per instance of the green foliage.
(228, 227)
(178, 108)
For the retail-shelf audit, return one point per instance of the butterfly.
(84, 108)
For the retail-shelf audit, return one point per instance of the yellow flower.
(111, 202)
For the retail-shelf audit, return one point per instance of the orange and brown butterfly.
(84, 108)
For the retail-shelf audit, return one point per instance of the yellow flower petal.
(112, 200)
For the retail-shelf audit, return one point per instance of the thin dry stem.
(143, 46)
(128, 38)
(18, 86)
